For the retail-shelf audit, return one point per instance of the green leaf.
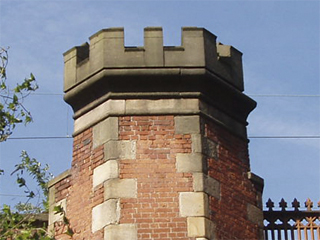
(21, 182)
(58, 209)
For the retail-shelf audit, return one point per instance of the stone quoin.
(160, 144)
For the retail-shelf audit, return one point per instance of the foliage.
(15, 225)
(41, 175)
(21, 222)
(12, 110)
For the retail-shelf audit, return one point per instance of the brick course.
(78, 191)
(230, 168)
(156, 209)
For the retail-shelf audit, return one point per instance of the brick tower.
(160, 144)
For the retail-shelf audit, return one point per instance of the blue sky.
(280, 43)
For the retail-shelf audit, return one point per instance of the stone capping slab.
(187, 124)
(207, 184)
(59, 178)
(105, 171)
(125, 231)
(200, 227)
(114, 107)
(120, 188)
(105, 213)
(255, 214)
(124, 149)
(96, 115)
(161, 106)
(105, 130)
(257, 181)
(189, 162)
(188, 104)
(193, 204)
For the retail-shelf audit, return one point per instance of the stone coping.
(198, 49)
(58, 178)
(185, 83)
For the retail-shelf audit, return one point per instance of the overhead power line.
(283, 95)
(39, 138)
(293, 137)
(253, 95)
(266, 137)
(11, 195)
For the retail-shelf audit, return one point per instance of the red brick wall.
(230, 169)
(79, 194)
(156, 208)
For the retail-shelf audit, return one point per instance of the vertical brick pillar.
(160, 143)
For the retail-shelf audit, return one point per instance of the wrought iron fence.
(291, 224)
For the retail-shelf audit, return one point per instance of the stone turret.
(160, 142)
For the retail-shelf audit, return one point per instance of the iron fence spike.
(283, 204)
(270, 204)
(295, 204)
(308, 204)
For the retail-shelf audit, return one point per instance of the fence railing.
(291, 224)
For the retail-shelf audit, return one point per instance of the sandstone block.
(120, 150)
(193, 204)
(57, 217)
(200, 227)
(255, 214)
(187, 124)
(121, 232)
(94, 116)
(196, 143)
(191, 163)
(207, 184)
(102, 173)
(161, 106)
(105, 213)
(105, 131)
(120, 188)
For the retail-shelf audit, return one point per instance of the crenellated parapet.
(200, 68)
(198, 50)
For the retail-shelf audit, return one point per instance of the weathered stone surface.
(121, 232)
(104, 172)
(161, 106)
(108, 108)
(58, 178)
(255, 214)
(210, 148)
(187, 124)
(105, 213)
(153, 44)
(207, 184)
(193, 204)
(120, 150)
(200, 227)
(191, 163)
(105, 131)
(196, 143)
(120, 188)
